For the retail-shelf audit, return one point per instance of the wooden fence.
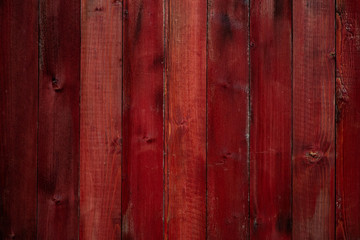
(180, 119)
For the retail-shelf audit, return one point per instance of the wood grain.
(270, 135)
(313, 119)
(348, 117)
(18, 118)
(227, 95)
(185, 119)
(142, 170)
(59, 89)
(101, 119)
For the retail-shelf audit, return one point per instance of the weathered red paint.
(228, 116)
(185, 120)
(58, 139)
(313, 119)
(270, 135)
(348, 117)
(204, 153)
(142, 170)
(101, 120)
(18, 118)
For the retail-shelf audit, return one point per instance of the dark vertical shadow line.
(206, 131)
(249, 117)
(292, 117)
(167, 102)
(164, 82)
(122, 116)
(37, 121)
(165, 94)
(335, 136)
(79, 171)
(165, 112)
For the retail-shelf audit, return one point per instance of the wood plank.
(348, 117)
(101, 114)
(228, 115)
(270, 135)
(142, 169)
(185, 119)
(18, 118)
(313, 119)
(58, 151)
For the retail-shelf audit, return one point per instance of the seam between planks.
(122, 116)
(292, 115)
(163, 114)
(248, 115)
(79, 144)
(335, 107)
(206, 120)
(37, 121)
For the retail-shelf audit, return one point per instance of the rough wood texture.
(179, 119)
(313, 119)
(270, 135)
(142, 170)
(185, 117)
(58, 149)
(348, 118)
(18, 118)
(101, 113)
(228, 87)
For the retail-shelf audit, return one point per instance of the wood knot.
(225, 84)
(148, 139)
(99, 9)
(55, 84)
(227, 155)
(332, 55)
(182, 122)
(314, 156)
(342, 98)
(116, 145)
(56, 200)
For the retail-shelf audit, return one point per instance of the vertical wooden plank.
(227, 94)
(142, 169)
(18, 118)
(101, 114)
(313, 119)
(348, 117)
(58, 157)
(270, 141)
(185, 119)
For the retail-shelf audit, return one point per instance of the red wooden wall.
(179, 119)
